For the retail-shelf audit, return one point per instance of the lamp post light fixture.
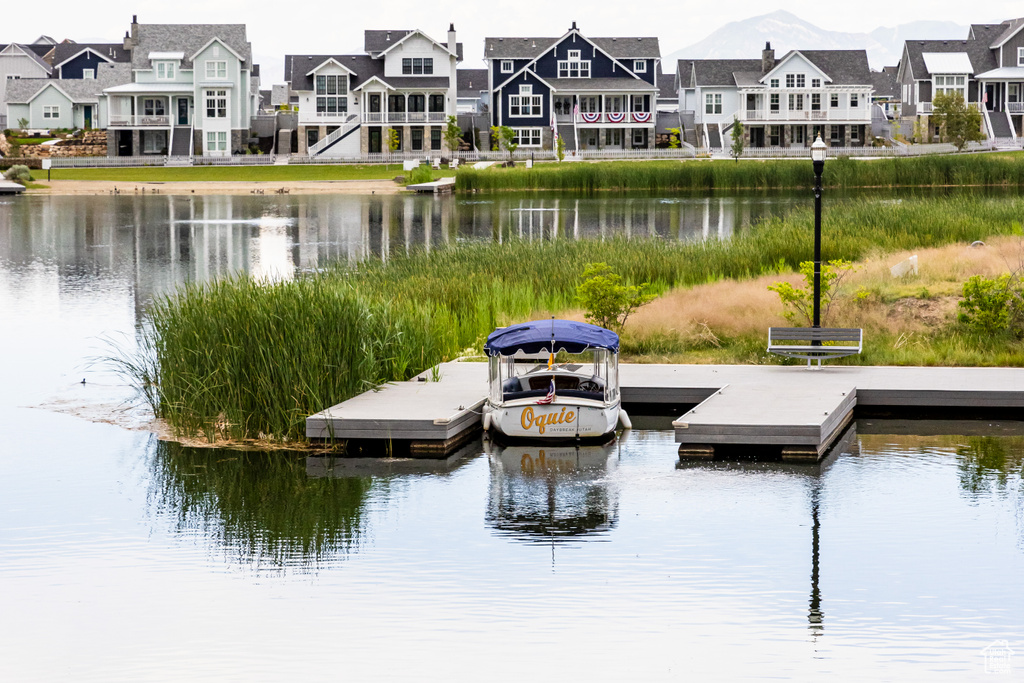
(818, 150)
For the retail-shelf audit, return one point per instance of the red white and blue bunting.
(591, 116)
(641, 116)
(616, 116)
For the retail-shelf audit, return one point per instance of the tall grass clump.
(244, 358)
(928, 171)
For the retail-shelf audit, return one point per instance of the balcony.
(137, 121)
(406, 117)
(1015, 107)
(860, 114)
(610, 117)
(924, 107)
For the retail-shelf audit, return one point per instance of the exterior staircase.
(352, 124)
(999, 125)
(180, 152)
(714, 136)
(568, 133)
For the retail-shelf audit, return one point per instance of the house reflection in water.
(552, 493)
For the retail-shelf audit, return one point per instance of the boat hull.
(553, 422)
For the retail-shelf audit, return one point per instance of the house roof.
(885, 82)
(947, 62)
(32, 52)
(113, 52)
(1012, 73)
(79, 90)
(844, 67)
(188, 38)
(378, 41)
(470, 82)
(1012, 26)
(978, 52)
(711, 72)
(666, 86)
(297, 68)
(531, 48)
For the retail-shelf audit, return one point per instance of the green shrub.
(606, 301)
(19, 174)
(988, 305)
(420, 174)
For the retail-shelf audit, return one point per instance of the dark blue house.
(82, 60)
(597, 93)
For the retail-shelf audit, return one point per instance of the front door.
(757, 136)
(375, 140)
(990, 97)
(182, 111)
(87, 115)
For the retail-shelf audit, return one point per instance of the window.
(327, 90)
(638, 137)
(640, 66)
(589, 104)
(527, 137)
(816, 101)
(1013, 94)
(525, 103)
(574, 66)
(613, 137)
(796, 102)
(417, 66)
(713, 103)
(216, 69)
(790, 80)
(154, 142)
(774, 135)
(417, 139)
(800, 81)
(1020, 56)
(815, 82)
(13, 77)
(89, 74)
(641, 103)
(855, 133)
(507, 66)
(948, 85)
(798, 135)
(436, 103)
(773, 101)
(854, 99)
(216, 141)
(428, 66)
(435, 138)
(51, 111)
(216, 104)
(154, 107)
(833, 101)
(165, 71)
(773, 83)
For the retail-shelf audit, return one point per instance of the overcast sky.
(320, 26)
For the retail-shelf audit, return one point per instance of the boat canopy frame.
(550, 336)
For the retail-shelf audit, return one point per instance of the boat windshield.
(591, 375)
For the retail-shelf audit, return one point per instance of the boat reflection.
(544, 494)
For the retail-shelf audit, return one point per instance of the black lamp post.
(818, 150)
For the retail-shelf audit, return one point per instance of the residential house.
(194, 90)
(473, 92)
(403, 81)
(48, 103)
(783, 102)
(987, 69)
(599, 93)
(20, 60)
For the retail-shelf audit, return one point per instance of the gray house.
(17, 61)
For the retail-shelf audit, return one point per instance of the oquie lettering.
(529, 420)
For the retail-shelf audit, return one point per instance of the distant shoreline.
(92, 187)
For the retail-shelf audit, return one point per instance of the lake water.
(124, 559)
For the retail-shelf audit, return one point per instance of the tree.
(23, 123)
(391, 140)
(605, 300)
(560, 148)
(738, 140)
(674, 136)
(960, 123)
(503, 139)
(452, 134)
(798, 302)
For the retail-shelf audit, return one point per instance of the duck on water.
(553, 380)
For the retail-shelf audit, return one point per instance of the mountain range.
(744, 39)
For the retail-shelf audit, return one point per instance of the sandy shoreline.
(84, 187)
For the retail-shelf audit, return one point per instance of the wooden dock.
(797, 411)
(442, 186)
(7, 187)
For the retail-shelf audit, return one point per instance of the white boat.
(553, 380)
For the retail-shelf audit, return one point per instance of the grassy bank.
(240, 358)
(966, 169)
(314, 172)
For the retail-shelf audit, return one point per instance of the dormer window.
(815, 82)
(507, 66)
(773, 83)
(165, 71)
(417, 66)
(574, 66)
(640, 66)
(216, 69)
(89, 73)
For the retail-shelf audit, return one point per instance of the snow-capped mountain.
(744, 39)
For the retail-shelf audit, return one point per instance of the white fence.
(108, 162)
(238, 160)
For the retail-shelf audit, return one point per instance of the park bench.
(819, 343)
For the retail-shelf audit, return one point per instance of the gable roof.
(112, 52)
(377, 42)
(719, 72)
(298, 68)
(471, 82)
(1012, 27)
(325, 63)
(190, 39)
(844, 67)
(78, 90)
(885, 83)
(532, 48)
(978, 52)
(28, 51)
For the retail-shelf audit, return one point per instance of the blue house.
(82, 60)
(597, 93)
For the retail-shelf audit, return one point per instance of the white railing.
(139, 121)
(108, 162)
(861, 114)
(615, 117)
(321, 145)
(924, 107)
(405, 117)
(1015, 107)
(237, 160)
(835, 152)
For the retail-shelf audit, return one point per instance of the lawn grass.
(27, 141)
(240, 358)
(311, 172)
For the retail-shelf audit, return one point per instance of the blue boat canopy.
(536, 336)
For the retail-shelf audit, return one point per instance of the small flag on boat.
(551, 394)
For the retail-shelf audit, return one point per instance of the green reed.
(843, 172)
(243, 358)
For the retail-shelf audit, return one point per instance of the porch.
(605, 109)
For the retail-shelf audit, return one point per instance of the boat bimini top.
(550, 336)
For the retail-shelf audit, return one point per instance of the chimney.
(767, 58)
(127, 43)
(453, 47)
(574, 27)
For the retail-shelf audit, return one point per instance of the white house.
(19, 61)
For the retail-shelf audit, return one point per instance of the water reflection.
(261, 509)
(551, 493)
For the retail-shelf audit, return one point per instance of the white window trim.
(529, 106)
(51, 111)
(712, 101)
(531, 134)
(214, 66)
(89, 74)
(640, 66)
(1020, 56)
(215, 95)
(507, 66)
(168, 71)
(580, 66)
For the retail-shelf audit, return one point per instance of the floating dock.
(792, 409)
(7, 187)
(442, 186)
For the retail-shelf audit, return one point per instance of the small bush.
(19, 174)
(989, 306)
(420, 174)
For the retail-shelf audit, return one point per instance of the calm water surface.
(122, 558)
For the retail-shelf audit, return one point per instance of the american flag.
(551, 394)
